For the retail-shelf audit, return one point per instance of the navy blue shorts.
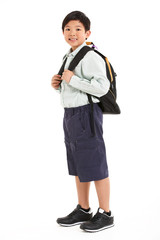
(86, 154)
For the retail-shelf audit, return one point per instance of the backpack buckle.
(91, 43)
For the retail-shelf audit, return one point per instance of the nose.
(72, 33)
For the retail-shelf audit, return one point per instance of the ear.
(88, 33)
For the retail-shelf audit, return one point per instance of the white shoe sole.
(70, 225)
(98, 230)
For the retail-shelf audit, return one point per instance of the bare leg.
(103, 193)
(83, 193)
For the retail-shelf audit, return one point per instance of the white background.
(35, 186)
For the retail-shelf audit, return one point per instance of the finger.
(57, 75)
(56, 80)
(55, 85)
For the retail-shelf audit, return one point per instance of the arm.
(94, 80)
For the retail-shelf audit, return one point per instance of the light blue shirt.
(89, 77)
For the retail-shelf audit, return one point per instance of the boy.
(86, 156)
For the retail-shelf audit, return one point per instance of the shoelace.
(96, 217)
(73, 213)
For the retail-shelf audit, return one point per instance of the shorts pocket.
(88, 153)
(75, 125)
(89, 143)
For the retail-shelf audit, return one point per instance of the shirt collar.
(76, 50)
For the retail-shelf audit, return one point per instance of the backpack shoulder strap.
(110, 71)
(62, 67)
(79, 56)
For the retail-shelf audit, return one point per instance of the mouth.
(72, 39)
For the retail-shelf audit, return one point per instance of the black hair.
(77, 15)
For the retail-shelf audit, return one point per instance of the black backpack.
(107, 102)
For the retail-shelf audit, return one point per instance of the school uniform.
(86, 152)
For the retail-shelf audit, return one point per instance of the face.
(75, 34)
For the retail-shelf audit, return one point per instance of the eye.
(67, 29)
(78, 29)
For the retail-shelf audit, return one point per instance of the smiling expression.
(75, 34)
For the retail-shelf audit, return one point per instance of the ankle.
(105, 209)
(84, 206)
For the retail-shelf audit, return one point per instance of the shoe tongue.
(78, 206)
(100, 210)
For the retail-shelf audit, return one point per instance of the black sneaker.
(99, 222)
(78, 216)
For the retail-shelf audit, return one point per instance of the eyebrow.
(75, 26)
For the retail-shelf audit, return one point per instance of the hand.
(55, 81)
(66, 76)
